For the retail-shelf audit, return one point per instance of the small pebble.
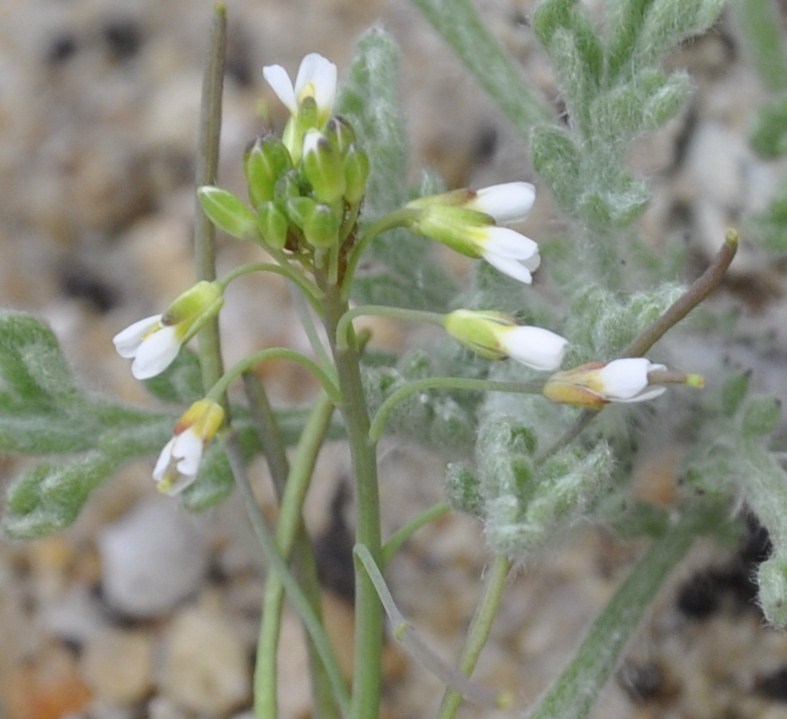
(118, 665)
(152, 559)
(207, 668)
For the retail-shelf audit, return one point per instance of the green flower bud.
(340, 134)
(299, 209)
(298, 125)
(356, 173)
(189, 312)
(264, 162)
(321, 226)
(322, 166)
(272, 224)
(228, 212)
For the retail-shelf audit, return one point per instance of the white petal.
(277, 77)
(625, 380)
(513, 268)
(164, 460)
(156, 353)
(311, 141)
(509, 202)
(321, 73)
(188, 452)
(128, 341)
(651, 393)
(506, 242)
(534, 346)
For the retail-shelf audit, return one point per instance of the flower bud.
(228, 212)
(340, 134)
(179, 461)
(321, 226)
(272, 224)
(595, 384)
(264, 162)
(322, 166)
(495, 335)
(356, 173)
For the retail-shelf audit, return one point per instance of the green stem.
(464, 383)
(368, 611)
(417, 647)
(761, 28)
(289, 531)
(572, 696)
(279, 566)
(346, 319)
(401, 535)
(220, 387)
(479, 630)
(207, 167)
(309, 290)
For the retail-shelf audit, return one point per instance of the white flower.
(496, 335)
(595, 384)
(508, 202)
(153, 346)
(154, 342)
(316, 78)
(534, 347)
(179, 461)
(626, 380)
(508, 251)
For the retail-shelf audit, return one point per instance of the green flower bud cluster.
(305, 188)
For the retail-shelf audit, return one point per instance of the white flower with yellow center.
(316, 79)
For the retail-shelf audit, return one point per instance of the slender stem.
(696, 293)
(465, 383)
(401, 535)
(207, 167)
(279, 566)
(478, 633)
(220, 387)
(289, 533)
(418, 648)
(573, 694)
(309, 290)
(268, 430)
(368, 611)
(346, 319)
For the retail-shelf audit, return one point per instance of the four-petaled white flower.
(316, 78)
(495, 335)
(508, 251)
(179, 461)
(594, 385)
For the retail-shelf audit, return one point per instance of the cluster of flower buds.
(305, 187)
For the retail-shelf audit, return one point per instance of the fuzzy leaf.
(181, 382)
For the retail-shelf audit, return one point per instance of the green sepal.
(339, 132)
(321, 226)
(356, 173)
(228, 212)
(323, 167)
